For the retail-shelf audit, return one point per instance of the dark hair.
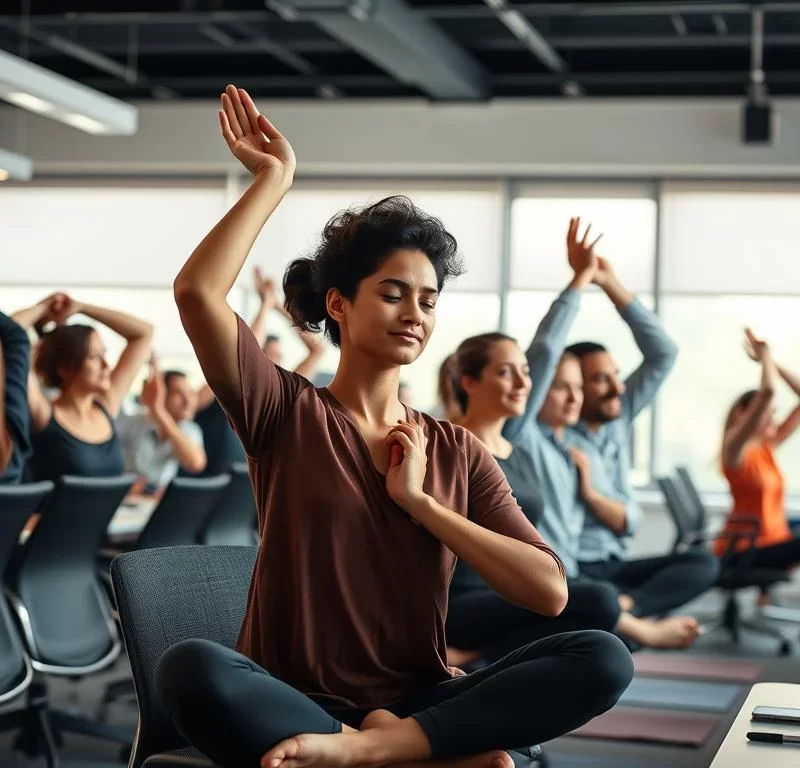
(743, 401)
(472, 357)
(61, 353)
(583, 348)
(355, 243)
(271, 338)
(447, 384)
(172, 374)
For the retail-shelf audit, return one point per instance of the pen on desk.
(773, 738)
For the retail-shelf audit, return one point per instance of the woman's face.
(504, 384)
(562, 406)
(94, 375)
(393, 312)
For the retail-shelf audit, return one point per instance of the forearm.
(259, 324)
(129, 327)
(769, 374)
(617, 292)
(27, 318)
(189, 455)
(791, 379)
(517, 571)
(215, 264)
(310, 340)
(610, 512)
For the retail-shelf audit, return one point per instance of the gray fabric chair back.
(182, 512)
(17, 504)
(233, 521)
(171, 594)
(53, 586)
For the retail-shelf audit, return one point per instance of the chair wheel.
(785, 648)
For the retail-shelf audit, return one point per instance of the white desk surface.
(737, 752)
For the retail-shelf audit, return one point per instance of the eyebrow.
(406, 287)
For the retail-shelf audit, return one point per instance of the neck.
(593, 426)
(80, 403)
(367, 390)
(488, 429)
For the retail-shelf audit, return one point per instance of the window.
(727, 263)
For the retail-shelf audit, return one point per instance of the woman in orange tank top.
(750, 466)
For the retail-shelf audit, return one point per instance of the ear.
(335, 304)
(468, 384)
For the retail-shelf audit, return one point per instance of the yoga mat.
(658, 727)
(673, 665)
(682, 695)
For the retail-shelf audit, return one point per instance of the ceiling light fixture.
(39, 90)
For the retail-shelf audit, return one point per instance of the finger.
(586, 236)
(395, 455)
(238, 108)
(268, 129)
(250, 110)
(573, 226)
(403, 429)
(230, 113)
(227, 133)
(405, 443)
(595, 241)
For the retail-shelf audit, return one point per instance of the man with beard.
(600, 447)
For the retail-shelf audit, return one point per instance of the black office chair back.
(233, 520)
(692, 497)
(17, 504)
(182, 512)
(63, 612)
(171, 594)
(685, 525)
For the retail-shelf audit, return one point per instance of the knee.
(605, 607)
(182, 673)
(706, 566)
(610, 664)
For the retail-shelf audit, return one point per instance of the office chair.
(233, 520)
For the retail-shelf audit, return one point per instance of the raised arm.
(39, 408)
(202, 286)
(548, 344)
(658, 349)
(745, 427)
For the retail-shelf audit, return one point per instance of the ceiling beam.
(390, 35)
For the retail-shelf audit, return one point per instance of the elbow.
(557, 599)
(196, 464)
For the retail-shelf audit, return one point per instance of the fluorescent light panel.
(14, 166)
(39, 90)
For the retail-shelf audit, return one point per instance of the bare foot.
(674, 632)
(626, 602)
(384, 739)
(497, 759)
(455, 657)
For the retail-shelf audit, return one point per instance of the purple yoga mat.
(655, 726)
(673, 665)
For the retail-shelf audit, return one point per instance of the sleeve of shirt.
(192, 431)
(659, 352)
(267, 396)
(543, 356)
(491, 504)
(16, 360)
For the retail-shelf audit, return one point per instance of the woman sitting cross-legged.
(364, 505)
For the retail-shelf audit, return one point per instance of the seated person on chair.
(751, 467)
(599, 442)
(363, 506)
(76, 433)
(164, 438)
(15, 350)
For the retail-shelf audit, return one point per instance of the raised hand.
(265, 288)
(407, 464)
(252, 139)
(580, 250)
(756, 348)
(154, 391)
(604, 272)
(584, 467)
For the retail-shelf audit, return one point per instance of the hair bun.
(303, 297)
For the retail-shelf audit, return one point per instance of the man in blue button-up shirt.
(651, 586)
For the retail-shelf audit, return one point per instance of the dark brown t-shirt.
(349, 595)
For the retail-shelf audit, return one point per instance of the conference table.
(737, 752)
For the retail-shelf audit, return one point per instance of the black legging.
(233, 711)
(481, 620)
(780, 556)
(658, 585)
